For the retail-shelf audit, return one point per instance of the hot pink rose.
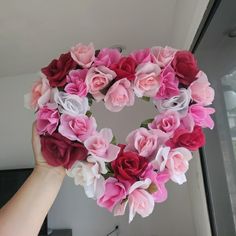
(144, 141)
(114, 193)
(47, 119)
(159, 179)
(39, 95)
(107, 57)
(84, 55)
(147, 81)
(201, 115)
(77, 128)
(201, 92)
(177, 164)
(163, 56)
(140, 200)
(97, 79)
(141, 56)
(167, 122)
(76, 83)
(99, 145)
(168, 85)
(119, 95)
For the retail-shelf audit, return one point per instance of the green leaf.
(90, 101)
(145, 123)
(88, 113)
(147, 99)
(108, 174)
(113, 141)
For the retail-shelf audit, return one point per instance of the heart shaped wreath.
(159, 150)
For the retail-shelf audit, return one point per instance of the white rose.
(178, 103)
(88, 174)
(71, 104)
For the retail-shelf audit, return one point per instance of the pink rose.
(99, 145)
(114, 193)
(47, 119)
(201, 115)
(177, 164)
(167, 122)
(147, 81)
(201, 92)
(159, 179)
(144, 141)
(77, 128)
(168, 84)
(97, 79)
(39, 95)
(107, 57)
(84, 55)
(140, 200)
(141, 56)
(163, 56)
(76, 83)
(119, 95)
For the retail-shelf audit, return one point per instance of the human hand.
(40, 162)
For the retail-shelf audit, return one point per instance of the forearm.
(23, 215)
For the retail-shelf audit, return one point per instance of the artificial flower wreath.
(159, 150)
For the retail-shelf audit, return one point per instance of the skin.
(24, 214)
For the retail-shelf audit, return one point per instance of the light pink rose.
(187, 123)
(141, 56)
(167, 122)
(77, 128)
(114, 193)
(97, 79)
(159, 179)
(84, 55)
(177, 164)
(201, 115)
(76, 83)
(163, 56)
(140, 200)
(39, 95)
(168, 85)
(201, 92)
(119, 95)
(99, 145)
(107, 57)
(147, 81)
(144, 141)
(47, 119)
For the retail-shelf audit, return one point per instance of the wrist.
(56, 172)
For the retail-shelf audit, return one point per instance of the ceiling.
(32, 32)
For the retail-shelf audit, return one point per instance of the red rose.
(125, 68)
(128, 166)
(191, 141)
(57, 70)
(185, 66)
(60, 151)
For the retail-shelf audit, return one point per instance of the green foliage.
(145, 123)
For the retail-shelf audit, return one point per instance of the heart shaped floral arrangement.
(135, 173)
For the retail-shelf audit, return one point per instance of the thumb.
(36, 141)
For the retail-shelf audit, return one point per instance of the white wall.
(188, 16)
(72, 208)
